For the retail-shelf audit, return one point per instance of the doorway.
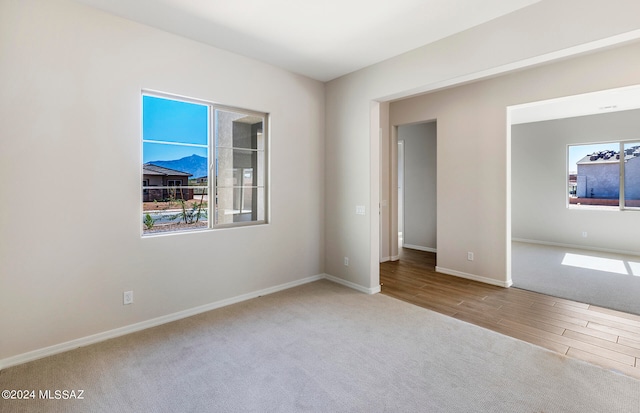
(566, 241)
(400, 194)
(417, 186)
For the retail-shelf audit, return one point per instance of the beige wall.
(473, 151)
(70, 83)
(470, 217)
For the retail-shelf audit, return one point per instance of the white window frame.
(212, 151)
(214, 155)
(621, 175)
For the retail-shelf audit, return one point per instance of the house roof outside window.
(151, 169)
(609, 156)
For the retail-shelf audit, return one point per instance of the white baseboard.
(392, 258)
(355, 286)
(95, 338)
(474, 277)
(420, 248)
(577, 247)
(106, 335)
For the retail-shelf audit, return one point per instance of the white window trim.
(621, 169)
(212, 153)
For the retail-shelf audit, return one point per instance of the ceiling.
(319, 39)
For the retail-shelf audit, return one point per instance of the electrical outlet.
(127, 297)
(470, 256)
(584, 234)
(346, 261)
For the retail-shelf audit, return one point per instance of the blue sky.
(172, 121)
(159, 152)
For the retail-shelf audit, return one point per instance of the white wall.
(419, 185)
(539, 190)
(475, 217)
(70, 244)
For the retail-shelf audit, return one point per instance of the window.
(191, 149)
(631, 173)
(599, 176)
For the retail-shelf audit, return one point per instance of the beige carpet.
(320, 348)
(599, 278)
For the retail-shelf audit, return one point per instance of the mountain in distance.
(194, 164)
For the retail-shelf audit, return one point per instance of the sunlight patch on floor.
(634, 268)
(602, 264)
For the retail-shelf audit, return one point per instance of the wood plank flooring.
(608, 338)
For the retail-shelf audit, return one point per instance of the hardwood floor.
(608, 338)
